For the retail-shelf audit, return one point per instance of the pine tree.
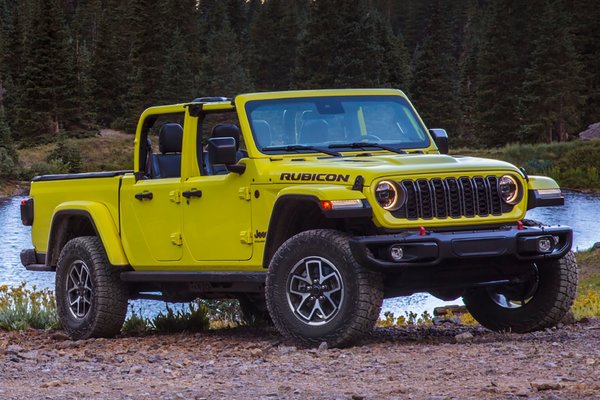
(144, 69)
(342, 47)
(396, 60)
(316, 51)
(586, 14)
(433, 87)
(360, 63)
(553, 89)
(274, 40)
(222, 73)
(467, 64)
(12, 57)
(46, 102)
(6, 140)
(177, 83)
(499, 77)
(108, 68)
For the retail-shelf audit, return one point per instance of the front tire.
(317, 292)
(543, 303)
(91, 299)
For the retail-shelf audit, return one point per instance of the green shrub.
(136, 323)
(7, 164)
(574, 165)
(22, 308)
(45, 168)
(66, 153)
(194, 320)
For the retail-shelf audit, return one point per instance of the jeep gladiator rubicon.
(315, 208)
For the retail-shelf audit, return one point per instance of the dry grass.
(110, 150)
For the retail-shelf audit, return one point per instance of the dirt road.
(411, 363)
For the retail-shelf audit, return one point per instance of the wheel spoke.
(304, 297)
(327, 277)
(293, 286)
(316, 307)
(327, 295)
(316, 263)
(80, 289)
(72, 303)
(73, 278)
(314, 290)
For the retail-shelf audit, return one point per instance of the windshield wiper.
(297, 147)
(362, 145)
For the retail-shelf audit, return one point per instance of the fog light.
(545, 245)
(396, 252)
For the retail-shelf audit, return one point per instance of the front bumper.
(428, 248)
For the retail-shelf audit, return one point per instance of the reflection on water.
(579, 213)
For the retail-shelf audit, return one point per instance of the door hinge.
(245, 193)
(246, 237)
(176, 239)
(175, 196)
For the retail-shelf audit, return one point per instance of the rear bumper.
(435, 248)
(33, 261)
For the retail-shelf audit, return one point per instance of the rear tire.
(91, 299)
(550, 294)
(317, 292)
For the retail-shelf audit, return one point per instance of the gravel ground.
(439, 362)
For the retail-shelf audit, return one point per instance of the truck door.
(151, 220)
(217, 217)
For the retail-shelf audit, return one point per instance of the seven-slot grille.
(451, 198)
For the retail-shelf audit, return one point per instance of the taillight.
(27, 211)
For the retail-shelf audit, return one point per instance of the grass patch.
(110, 151)
(574, 165)
(22, 308)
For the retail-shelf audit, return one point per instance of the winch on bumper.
(429, 248)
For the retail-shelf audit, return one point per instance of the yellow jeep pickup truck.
(311, 205)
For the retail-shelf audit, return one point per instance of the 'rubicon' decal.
(286, 176)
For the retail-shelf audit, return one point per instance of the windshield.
(313, 123)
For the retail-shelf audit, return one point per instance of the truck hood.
(346, 169)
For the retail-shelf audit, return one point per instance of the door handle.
(192, 193)
(144, 196)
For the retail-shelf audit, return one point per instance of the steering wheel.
(365, 138)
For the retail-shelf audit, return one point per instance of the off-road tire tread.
(370, 293)
(111, 294)
(561, 294)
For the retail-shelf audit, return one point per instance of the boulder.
(591, 133)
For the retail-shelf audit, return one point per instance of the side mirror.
(223, 151)
(440, 137)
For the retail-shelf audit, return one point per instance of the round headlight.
(508, 189)
(387, 195)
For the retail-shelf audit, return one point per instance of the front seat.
(219, 131)
(314, 131)
(167, 164)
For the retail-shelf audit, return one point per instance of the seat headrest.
(170, 138)
(314, 131)
(227, 130)
(262, 131)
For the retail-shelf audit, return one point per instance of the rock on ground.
(244, 363)
(591, 133)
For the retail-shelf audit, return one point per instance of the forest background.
(491, 72)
